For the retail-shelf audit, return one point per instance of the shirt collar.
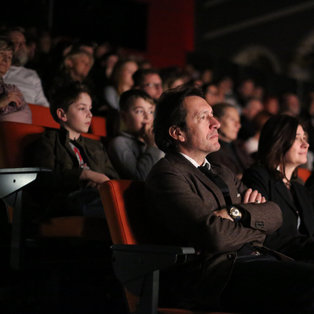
(195, 164)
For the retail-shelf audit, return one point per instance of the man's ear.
(62, 116)
(176, 133)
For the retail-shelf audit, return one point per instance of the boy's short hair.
(66, 95)
(127, 98)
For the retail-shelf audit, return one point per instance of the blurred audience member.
(271, 105)
(173, 80)
(246, 91)
(290, 104)
(211, 94)
(149, 81)
(231, 153)
(259, 92)
(225, 89)
(206, 76)
(251, 144)
(252, 107)
(122, 81)
(26, 80)
(12, 104)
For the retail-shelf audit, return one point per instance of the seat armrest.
(132, 262)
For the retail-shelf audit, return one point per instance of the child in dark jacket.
(78, 163)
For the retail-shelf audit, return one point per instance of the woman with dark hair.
(232, 153)
(282, 148)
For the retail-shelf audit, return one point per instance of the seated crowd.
(220, 165)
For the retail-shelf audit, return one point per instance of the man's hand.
(13, 96)
(94, 178)
(253, 196)
(223, 214)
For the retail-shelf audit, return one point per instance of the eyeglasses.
(156, 85)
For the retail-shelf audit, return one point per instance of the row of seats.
(118, 197)
(14, 137)
(119, 201)
(42, 116)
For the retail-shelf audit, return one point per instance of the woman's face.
(128, 69)
(5, 61)
(297, 154)
(229, 125)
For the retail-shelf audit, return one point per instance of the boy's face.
(78, 117)
(140, 114)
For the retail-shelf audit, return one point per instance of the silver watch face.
(235, 212)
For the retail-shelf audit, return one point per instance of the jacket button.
(238, 195)
(230, 256)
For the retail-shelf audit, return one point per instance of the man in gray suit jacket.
(215, 213)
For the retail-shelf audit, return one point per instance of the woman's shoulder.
(258, 170)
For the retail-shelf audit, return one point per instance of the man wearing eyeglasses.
(150, 81)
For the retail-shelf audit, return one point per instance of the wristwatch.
(235, 213)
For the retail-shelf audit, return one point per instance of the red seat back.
(113, 198)
(98, 126)
(42, 116)
(14, 137)
(303, 173)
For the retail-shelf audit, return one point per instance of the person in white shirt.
(26, 80)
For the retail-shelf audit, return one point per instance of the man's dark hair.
(64, 96)
(170, 111)
(277, 137)
(139, 76)
(127, 98)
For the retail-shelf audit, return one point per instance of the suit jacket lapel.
(187, 167)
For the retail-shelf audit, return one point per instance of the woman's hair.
(219, 109)
(277, 137)
(116, 72)
(66, 95)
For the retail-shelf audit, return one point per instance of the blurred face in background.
(79, 65)
(5, 61)
(20, 49)
(128, 69)
(272, 105)
(229, 125)
(252, 108)
(152, 85)
(212, 95)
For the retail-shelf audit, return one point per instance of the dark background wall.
(204, 32)
(121, 22)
